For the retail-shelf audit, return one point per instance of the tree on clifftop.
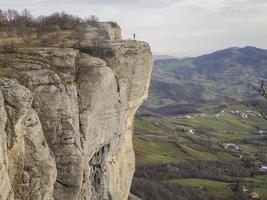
(93, 21)
(263, 90)
(9, 24)
(2, 19)
(24, 24)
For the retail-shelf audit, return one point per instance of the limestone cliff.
(66, 120)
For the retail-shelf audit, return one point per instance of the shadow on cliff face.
(100, 49)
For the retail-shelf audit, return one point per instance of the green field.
(162, 140)
(218, 188)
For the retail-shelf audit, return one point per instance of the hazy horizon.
(172, 27)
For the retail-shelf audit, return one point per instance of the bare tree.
(24, 24)
(47, 28)
(11, 14)
(93, 21)
(263, 90)
(9, 26)
(68, 22)
(2, 19)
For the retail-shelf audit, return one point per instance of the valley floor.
(216, 153)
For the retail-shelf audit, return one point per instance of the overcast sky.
(177, 27)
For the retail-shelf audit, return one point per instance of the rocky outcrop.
(111, 29)
(89, 35)
(67, 119)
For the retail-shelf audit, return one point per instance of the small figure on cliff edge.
(134, 36)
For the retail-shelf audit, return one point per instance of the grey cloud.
(146, 3)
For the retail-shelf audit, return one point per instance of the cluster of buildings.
(245, 114)
(235, 149)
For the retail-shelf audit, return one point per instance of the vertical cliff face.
(66, 121)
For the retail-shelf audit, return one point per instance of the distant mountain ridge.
(164, 57)
(223, 76)
(168, 57)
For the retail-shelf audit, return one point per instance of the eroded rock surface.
(66, 121)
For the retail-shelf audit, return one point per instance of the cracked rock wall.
(66, 121)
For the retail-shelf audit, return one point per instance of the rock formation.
(66, 120)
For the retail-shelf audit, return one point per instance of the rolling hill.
(224, 76)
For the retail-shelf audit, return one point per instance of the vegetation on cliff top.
(58, 29)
